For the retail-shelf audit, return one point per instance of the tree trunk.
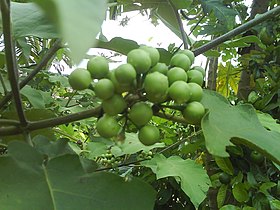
(212, 74)
(244, 88)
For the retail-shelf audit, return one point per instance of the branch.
(11, 60)
(240, 29)
(180, 23)
(12, 130)
(171, 117)
(46, 58)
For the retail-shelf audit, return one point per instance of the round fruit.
(195, 76)
(140, 113)
(98, 67)
(104, 89)
(156, 86)
(199, 68)
(224, 178)
(153, 52)
(149, 135)
(119, 87)
(188, 53)
(125, 73)
(181, 60)
(79, 79)
(196, 92)
(179, 91)
(265, 37)
(257, 157)
(160, 67)
(140, 60)
(114, 105)
(193, 112)
(107, 126)
(176, 74)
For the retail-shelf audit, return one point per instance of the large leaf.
(29, 20)
(132, 145)
(192, 177)
(78, 22)
(27, 182)
(225, 124)
(224, 14)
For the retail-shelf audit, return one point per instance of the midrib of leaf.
(50, 187)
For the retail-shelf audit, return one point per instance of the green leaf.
(192, 177)
(268, 122)
(29, 20)
(225, 165)
(96, 149)
(34, 97)
(224, 124)
(266, 186)
(27, 182)
(241, 42)
(275, 203)
(223, 13)
(179, 4)
(166, 14)
(132, 145)
(221, 196)
(78, 22)
(52, 148)
(230, 207)
(240, 193)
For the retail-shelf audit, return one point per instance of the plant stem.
(65, 134)
(9, 122)
(12, 130)
(11, 60)
(3, 84)
(180, 23)
(180, 142)
(171, 117)
(240, 29)
(46, 58)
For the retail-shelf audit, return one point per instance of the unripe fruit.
(149, 135)
(256, 157)
(98, 67)
(160, 67)
(153, 53)
(140, 60)
(140, 113)
(180, 60)
(114, 105)
(125, 73)
(193, 112)
(104, 89)
(176, 74)
(188, 53)
(224, 178)
(119, 87)
(199, 68)
(179, 91)
(156, 86)
(196, 92)
(195, 76)
(79, 79)
(107, 126)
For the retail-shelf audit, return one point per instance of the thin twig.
(11, 60)
(240, 29)
(65, 134)
(180, 142)
(46, 58)
(3, 84)
(12, 130)
(180, 23)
